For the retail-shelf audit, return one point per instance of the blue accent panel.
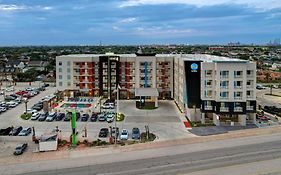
(145, 74)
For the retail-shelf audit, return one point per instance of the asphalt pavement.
(180, 163)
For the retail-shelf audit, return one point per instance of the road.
(221, 159)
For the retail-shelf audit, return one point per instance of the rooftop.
(196, 57)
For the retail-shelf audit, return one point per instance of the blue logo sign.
(194, 67)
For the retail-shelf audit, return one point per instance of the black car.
(20, 149)
(6, 131)
(135, 133)
(85, 117)
(78, 116)
(103, 132)
(14, 95)
(15, 131)
(94, 117)
(43, 116)
(60, 116)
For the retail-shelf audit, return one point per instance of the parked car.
(9, 98)
(94, 117)
(101, 117)
(110, 117)
(25, 131)
(51, 117)
(77, 116)
(31, 111)
(15, 131)
(35, 116)
(103, 132)
(21, 93)
(67, 116)
(124, 134)
(85, 117)
(3, 109)
(20, 148)
(135, 133)
(43, 116)
(60, 116)
(5, 131)
(12, 104)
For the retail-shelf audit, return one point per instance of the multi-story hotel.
(208, 88)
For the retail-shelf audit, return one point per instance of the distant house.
(276, 65)
(38, 65)
(15, 64)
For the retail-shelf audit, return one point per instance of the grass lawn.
(26, 116)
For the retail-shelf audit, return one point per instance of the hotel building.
(207, 88)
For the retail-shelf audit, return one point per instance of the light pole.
(25, 102)
(117, 111)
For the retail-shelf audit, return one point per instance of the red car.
(21, 92)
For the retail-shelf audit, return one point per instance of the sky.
(134, 22)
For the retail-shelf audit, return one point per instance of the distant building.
(38, 65)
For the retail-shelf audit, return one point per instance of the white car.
(3, 109)
(31, 111)
(35, 116)
(51, 116)
(124, 134)
(12, 104)
(110, 117)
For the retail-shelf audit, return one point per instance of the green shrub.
(26, 116)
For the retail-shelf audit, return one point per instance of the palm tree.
(267, 76)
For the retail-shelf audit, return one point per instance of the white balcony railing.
(238, 87)
(224, 87)
(237, 98)
(208, 107)
(250, 108)
(224, 109)
(238, 109)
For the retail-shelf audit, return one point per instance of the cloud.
(258, 4)
(16, 8)
(11, 7)
(128, 20)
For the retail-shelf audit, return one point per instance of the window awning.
(146, 92)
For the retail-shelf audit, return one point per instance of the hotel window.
(68, 70)
(60, 69)
(68, 84)
(60, 83)
(68, 63)
(208, 73)
(224, 74)
(60, 77)
(224, 84)
(68, 77)
(208, 83)
(249, 73)
(60, 63)
(237, 94)
(238, 74)
(238, 84)
(224, 94)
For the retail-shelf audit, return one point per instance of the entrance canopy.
(146, 92)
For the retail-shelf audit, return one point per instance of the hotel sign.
(194, 67)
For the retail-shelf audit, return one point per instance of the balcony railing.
(224, 87)
(208, 107)
(238, 87)
(238, 76)
(250, 108)
(224, 98)
(224, 109)
(224, 76)
(237, 98)
(238, 109)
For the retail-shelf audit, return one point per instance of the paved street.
(172, 160)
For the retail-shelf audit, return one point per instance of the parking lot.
(165, 122)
